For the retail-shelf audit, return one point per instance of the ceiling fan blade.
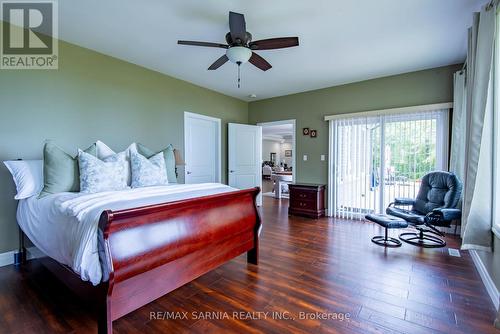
(237, 26)
(218, 63)
(274, 43)
(209, 44)
(259, 62)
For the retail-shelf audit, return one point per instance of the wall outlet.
(322, 157)
(305, 157)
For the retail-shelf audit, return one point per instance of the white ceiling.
(279, 132)
(341, 41)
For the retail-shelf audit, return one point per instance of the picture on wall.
(314, 133)
(305, 131)
(288, 153)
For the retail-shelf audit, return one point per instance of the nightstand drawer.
(302, 204)
(304, 195)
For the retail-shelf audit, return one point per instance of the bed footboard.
(149, 251)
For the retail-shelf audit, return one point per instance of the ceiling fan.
(240, 48)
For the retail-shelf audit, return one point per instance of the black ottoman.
(387, 222)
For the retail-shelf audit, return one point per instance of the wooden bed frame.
(149, 251)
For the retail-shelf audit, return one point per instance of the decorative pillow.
(168, 154)
(98, 175)
(27, 175)
(60, 170)
(103, 150)
(148, 172)
(106, 154)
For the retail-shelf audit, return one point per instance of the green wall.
(310, 108)
(95, 97)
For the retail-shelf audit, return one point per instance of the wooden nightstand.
(307, 199)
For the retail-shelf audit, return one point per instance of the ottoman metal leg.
(386, 241)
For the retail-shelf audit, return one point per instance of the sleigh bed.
(147, 251)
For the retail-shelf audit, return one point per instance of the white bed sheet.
(64, 226)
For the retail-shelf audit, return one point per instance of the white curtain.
(457, 151)
(477, 154)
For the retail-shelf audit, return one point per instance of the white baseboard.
(7, 258)
(486, 278)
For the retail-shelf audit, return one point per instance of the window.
(496, 129)
(378, 158)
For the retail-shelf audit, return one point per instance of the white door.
(245, 156)
(202, 146)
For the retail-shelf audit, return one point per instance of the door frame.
(218, 150)
(294, 136)
(442, 144)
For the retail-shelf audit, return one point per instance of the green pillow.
(168, 155)
(60, 170)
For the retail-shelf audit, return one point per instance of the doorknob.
(231, 171)
(188, 172)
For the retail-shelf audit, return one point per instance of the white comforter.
(64, 226)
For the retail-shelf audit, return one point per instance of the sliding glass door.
(379, 158)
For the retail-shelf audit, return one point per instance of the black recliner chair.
(435, 205)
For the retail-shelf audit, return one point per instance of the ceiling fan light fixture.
(238, 54)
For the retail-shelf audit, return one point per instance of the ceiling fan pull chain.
(239, 79)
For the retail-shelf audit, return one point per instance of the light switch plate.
(322, 157)
(305, 157)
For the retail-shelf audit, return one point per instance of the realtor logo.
(29, 35)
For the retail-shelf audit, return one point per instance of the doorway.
(278, 158)
(202, 144)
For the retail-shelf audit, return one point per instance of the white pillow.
(103, 150)
(97, 175)
(27, 175)
(105, 153)
(148, 172)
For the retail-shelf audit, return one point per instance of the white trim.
(486, 278)
(470, 247)
(381, 192)
(442, 143)
(278, 139)
(393, 111)
(332, 155)
(442, 146)
(496, 135)
(200, 116)
(496, 231)
(294, 136)
(7, 258)
(218, 159)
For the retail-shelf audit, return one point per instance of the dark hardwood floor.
(307, 266)
(267, 185)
